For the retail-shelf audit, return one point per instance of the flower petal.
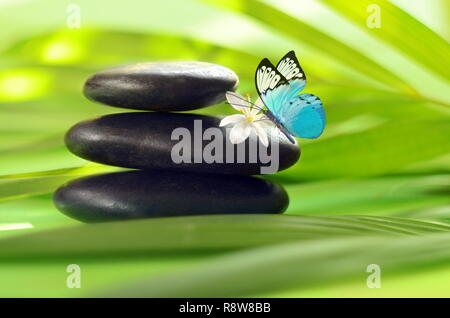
(240, 132)
(237, 101)
(254, 112)
(232, 119)
(261, 133)
(258, 116)
(267, 123)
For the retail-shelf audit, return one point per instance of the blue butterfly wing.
(303, 116)
(277, 99)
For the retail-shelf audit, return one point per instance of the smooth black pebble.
(162, 86)
(143, 140)
(146, 194)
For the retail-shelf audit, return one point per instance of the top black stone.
(162, 86)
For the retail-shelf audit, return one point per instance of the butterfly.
(278, 88)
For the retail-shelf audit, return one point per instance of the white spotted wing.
(290, 68)
(267, 77)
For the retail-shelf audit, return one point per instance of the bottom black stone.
(146, 194)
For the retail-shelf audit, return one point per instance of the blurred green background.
(374, 189)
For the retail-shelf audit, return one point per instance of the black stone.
(142, 140)
(162, 86)
(146, 194)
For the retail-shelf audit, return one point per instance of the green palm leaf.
(197, 234)
(296, 265)
(402, 31)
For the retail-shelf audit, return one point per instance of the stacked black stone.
(144, 140)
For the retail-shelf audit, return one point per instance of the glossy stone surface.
(162, 86)
(146, 194)
(144, 141)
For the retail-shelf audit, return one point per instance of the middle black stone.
(144, 141)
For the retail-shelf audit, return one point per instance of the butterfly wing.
(290, 68)
(268, 78)
(304, 116)
(272, 86)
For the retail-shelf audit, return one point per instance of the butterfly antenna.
(246, 106)
(247, 101)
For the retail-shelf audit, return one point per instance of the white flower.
(251, 119)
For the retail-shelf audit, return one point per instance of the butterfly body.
(279, 125)
(299, 115)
